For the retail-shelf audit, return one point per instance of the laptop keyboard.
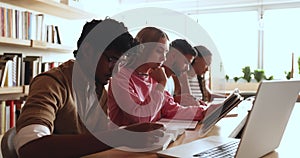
(225, 150)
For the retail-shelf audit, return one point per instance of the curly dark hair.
(121, 43)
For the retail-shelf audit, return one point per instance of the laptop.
(264, 128)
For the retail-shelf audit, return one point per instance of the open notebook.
(262, 133)
(175, 128)
(220, 110)
(214, 113)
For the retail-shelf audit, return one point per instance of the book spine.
(1, 22)
(32, 67)
(3, 69)
(4, 22)
(7, 117)
(2, 117)
(12, 111)
(57, 35)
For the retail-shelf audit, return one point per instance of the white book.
(32, 26)
(178, 124)
(7, 72)
(13, 24)
(14, 68)
(39, 27)
(23, 25)
(10, 74)
(17, 58)
(20, 24)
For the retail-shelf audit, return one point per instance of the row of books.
(16, 70)
(26, 25)
(9, 113)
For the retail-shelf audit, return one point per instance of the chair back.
(7, 145)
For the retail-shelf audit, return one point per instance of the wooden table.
(224, 127)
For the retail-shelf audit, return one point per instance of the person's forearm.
(63, 146)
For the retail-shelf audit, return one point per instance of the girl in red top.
(136, 92)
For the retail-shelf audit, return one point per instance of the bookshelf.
(13, 93)
(34, 44)
(49, 7)
(17, 94)
(52, 8)
(14, 42)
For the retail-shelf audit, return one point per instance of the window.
(235, 35)
(282, 37)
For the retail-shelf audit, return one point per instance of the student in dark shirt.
(65, 111)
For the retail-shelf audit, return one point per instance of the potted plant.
(250, 84)
(287, 75)
(247, 73)
(259, 75)
(226, 78)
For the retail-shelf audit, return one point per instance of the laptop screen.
(264, 128)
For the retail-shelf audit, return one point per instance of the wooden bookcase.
(34, 44)
(13, 93)
(51, 7)
(47, 7)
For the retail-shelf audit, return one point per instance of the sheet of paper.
(178, 124)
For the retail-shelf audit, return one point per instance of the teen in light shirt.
(136, 92)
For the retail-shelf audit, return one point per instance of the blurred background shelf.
(52, 8)
(35, 44)
(13, 93)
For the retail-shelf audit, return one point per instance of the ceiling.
(209, 6)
